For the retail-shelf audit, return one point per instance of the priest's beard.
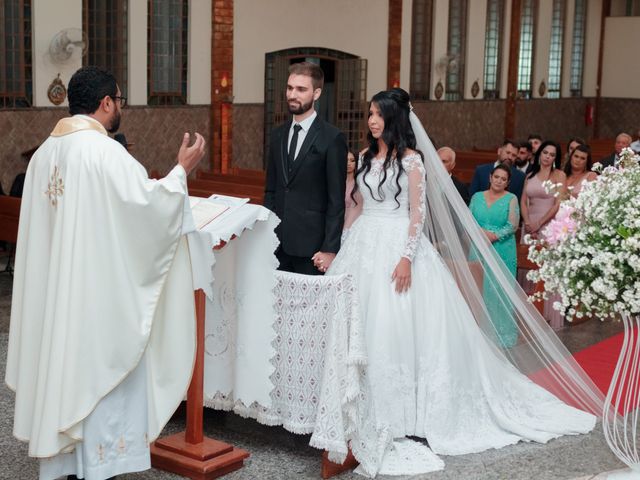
(297, 108)
(115, 122)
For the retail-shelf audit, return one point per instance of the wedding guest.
(507, 154)
(535, 140)
(623, 140)
(448, 157)
(496, 211)
(524, 158)
(578, 169)
(538, 206)
(635, 146)
(571, 146)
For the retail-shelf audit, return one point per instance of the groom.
(306, 177)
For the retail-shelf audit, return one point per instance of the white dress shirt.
(306, 125)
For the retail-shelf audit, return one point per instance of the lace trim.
(414, 168)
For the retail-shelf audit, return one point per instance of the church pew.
(9, 215)
(242, 179)
(601, 147)
(234, 189)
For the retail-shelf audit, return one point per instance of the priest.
(102, 335)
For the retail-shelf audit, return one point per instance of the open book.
(205, 210)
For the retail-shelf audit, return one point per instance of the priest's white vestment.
(102, 281)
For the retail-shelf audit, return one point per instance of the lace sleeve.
(417, 202)
(512, 221)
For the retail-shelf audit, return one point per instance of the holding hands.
(322, 260)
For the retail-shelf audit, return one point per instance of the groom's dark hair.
(310, 70)
(87, 87)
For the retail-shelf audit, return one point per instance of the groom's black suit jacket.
(308, 196)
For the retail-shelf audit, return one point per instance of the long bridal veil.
(492, 293)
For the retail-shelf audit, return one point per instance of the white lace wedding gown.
(431, 372)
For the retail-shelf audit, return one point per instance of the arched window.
(492, 48)
(421, 32)
(105, 25)
(527, 41)
(15, 54)
(168, 52)
(577, 48)
(555, 49)
(456, 39)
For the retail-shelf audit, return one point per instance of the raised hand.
(190, 156)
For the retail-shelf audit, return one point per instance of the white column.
(48, 19)
(591, 49)
(439, 46)
(199, 63)
(506, 40)
(137, 67)
(542, 46)
(405, 44)
(474, 58)
(565, 84)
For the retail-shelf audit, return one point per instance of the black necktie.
(293, 145)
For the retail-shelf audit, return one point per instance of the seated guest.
(635, 146)
(18, 182)
(535, 140)
(525, 157)
(496, 211)
(623, 140)
(578, 169)
(571, 146)
(448, 157)
(507, 154)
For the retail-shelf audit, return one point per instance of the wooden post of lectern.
(190, 453)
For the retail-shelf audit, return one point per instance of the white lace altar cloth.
(237, 280)
(319, 347)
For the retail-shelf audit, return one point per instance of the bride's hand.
(402, 275)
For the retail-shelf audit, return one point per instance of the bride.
(435, 366)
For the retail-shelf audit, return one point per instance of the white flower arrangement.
(590, 252)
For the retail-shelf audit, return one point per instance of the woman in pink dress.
(578, 169)
(538, 207)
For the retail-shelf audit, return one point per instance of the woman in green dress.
(496, 211)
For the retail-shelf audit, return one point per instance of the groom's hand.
(322, 260)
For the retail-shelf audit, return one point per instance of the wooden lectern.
(190, 453)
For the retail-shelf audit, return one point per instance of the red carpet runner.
(599, 360)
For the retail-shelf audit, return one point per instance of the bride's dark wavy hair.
(398, 136)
